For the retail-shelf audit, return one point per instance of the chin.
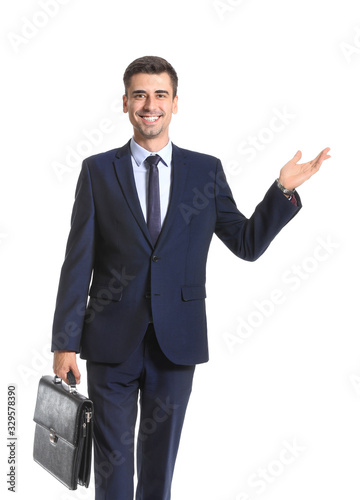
(150, 133)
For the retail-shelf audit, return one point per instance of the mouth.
(150, 118)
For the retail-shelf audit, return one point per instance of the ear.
(175, 105)
(125, 107)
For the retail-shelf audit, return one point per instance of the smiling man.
(150, 101)
(143, 219)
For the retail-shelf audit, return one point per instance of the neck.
(151, 144)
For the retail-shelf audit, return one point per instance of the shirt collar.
(140, 154)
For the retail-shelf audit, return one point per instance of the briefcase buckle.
(53, 437)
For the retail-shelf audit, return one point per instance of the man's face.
(150, 104)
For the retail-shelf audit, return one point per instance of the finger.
(76, 373)
(326, 155)
(322, 155)
(73, 367)
(297, 156)
(58, 367)
(64, 371)
(316, 162)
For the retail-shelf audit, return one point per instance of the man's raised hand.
(293, 174)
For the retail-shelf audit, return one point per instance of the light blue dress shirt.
(141, 175)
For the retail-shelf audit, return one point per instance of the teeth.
(150, 118)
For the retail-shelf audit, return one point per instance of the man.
(142, 222)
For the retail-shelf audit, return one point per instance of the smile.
(150, 119)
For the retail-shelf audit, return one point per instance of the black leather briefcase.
(63, 432)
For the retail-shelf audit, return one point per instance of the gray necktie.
(153, 204)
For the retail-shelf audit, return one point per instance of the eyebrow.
(144, 92)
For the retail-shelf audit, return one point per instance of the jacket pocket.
(106, 292)
(194, 292)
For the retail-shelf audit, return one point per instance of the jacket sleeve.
(249, 238)
(76, 270)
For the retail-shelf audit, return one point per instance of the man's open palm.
(293, 174)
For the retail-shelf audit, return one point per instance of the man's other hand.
(63, 362)
(293, 174)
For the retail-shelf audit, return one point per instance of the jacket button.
(155, 258)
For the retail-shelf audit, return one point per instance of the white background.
(295, 378)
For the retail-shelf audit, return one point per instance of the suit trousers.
(163, 390)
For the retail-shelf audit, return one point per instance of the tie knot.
(153, 160)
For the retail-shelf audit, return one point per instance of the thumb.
(297, 156)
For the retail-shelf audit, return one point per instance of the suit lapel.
(125, 175)
(124, 172)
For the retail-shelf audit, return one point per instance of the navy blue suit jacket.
(113, 281)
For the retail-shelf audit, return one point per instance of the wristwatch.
(283, 189)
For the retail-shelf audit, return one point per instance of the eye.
(139, 96)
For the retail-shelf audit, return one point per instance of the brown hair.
(151, 65)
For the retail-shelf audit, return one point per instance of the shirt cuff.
(293, 200)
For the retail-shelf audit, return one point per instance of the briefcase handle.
(71, 379)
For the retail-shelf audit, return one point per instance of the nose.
(150, 103)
